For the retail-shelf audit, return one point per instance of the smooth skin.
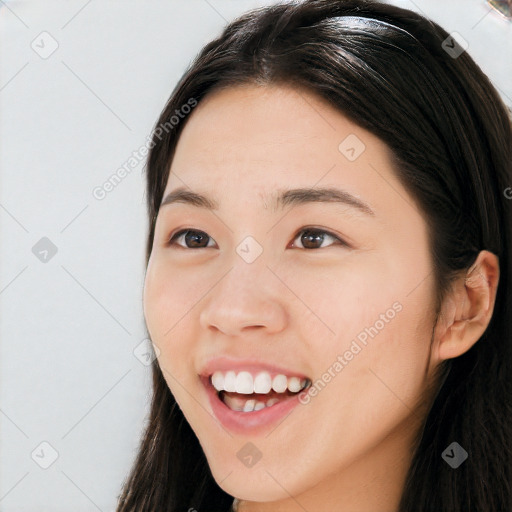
(303, 301)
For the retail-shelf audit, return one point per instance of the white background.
(69, 325)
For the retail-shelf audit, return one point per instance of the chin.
(253, 485)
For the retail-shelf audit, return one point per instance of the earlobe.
(472, 309)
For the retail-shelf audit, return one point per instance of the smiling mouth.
(242, 410)
(248, 386)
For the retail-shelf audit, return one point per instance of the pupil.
(195, 236)
(311, 235)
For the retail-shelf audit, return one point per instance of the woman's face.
(348, 304)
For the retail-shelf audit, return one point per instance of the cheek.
(155, 300)
(168, 309)
(167, 305)
(368, 389)
(370, 334)
(168, 298)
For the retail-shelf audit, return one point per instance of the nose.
(247, 298)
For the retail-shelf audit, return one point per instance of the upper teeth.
(262, 382)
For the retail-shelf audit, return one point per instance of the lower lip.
(253, 423)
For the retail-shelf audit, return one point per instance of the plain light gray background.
(74, 380)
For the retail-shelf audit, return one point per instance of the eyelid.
(171, 240)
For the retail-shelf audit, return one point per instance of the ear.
(466, 313)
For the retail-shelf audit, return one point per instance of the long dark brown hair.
(399, 76)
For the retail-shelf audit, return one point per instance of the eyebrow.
(283, 198)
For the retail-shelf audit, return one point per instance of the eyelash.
(173, 238)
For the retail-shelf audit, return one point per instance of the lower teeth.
(249, 405)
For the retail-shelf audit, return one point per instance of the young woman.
(328, 272)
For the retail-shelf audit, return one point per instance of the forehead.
(249, 141)
(249, 116)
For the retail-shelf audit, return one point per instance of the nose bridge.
(246, 295)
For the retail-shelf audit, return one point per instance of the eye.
(310, 237)
(196, 238)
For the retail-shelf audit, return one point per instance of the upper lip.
(224, 364)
